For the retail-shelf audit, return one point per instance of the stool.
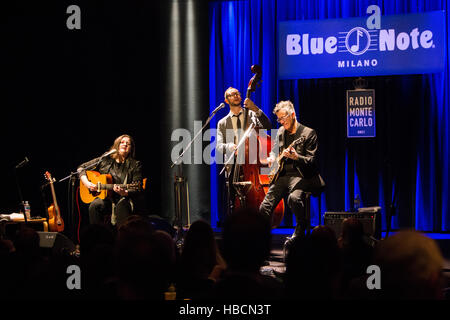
(308, 196)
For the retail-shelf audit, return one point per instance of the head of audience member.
(6, 247)
(352, 232)
(246, 240)
(410, 265)
(97, 258)
(357, 254)
(145, 259)
(313, 265)
(94, 235)
(27, 242)
(199, 255)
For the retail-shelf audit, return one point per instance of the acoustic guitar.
(104, 186)
(55, 221)
(275, 174)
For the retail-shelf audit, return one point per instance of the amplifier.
(369, 217)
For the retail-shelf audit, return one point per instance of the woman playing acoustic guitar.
(112, 182)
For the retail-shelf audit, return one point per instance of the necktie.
(238, 126)
(238, 121)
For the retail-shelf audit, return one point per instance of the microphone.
(109, 153)
(218, 108)
(22, 163)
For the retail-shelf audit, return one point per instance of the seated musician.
(124, 169)
(300, 173)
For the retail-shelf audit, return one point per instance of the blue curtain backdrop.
(406, 164)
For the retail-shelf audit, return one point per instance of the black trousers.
(290, 186)
(101, 209)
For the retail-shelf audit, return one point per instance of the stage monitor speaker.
(56, 243)
(369, 217)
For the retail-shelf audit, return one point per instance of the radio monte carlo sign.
(365, 46)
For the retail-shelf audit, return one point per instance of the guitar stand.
(181, 189)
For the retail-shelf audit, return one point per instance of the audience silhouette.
(140, 262)
(356, 251)
(246, 245)
(313, 266)
(411, 267)
(145, 260)
(200, 262)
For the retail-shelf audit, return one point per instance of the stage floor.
(276, 259)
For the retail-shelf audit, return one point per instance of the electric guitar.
(281, 160)
(55, 222)
(104, 186)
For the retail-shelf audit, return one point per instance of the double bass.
(249, 186)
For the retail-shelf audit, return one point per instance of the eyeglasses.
(236, 94)
(283, 118)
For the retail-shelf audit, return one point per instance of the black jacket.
(131, 170)
(306, 166)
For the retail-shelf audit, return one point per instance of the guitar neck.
(52, 188)
(281, 157)
(109, 186)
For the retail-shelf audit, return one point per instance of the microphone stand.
(73, 178)
(181, 187)
(19, 191)
(241, 142)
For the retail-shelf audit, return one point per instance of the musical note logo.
(362, 41)
(355, 47)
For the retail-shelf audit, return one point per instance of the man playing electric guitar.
(298, 147)
(124, 169)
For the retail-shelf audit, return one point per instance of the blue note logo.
(403, 44)
(357, 41)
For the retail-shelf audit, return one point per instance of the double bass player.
(231, 128)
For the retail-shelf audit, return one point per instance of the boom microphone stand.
(73, 176)
(181, 187)
(19, 190)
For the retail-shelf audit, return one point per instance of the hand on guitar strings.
(91, 186)
(118, 189)
(270, 160)
(291, 153)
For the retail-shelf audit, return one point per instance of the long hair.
(116, 145)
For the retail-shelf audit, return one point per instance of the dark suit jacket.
(306, 165)
(225, 124)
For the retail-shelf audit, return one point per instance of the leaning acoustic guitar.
(104, 186)
(55, 222)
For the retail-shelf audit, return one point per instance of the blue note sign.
(361, 113)
(398, 44)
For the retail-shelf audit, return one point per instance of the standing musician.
(300, 172)
(230, 128)
(234, 120)
(124, 169)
